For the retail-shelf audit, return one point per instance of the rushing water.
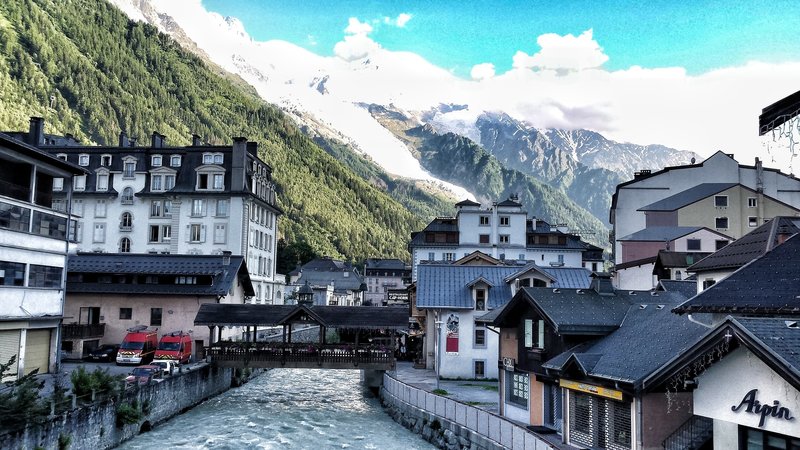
(286, 408)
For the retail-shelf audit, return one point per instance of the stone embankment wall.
(94, 427)
(452, 425)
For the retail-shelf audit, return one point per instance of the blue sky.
(456, 35)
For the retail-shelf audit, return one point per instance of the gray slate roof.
(748, 247)
(647, 338)
(581, 311)
(566, 277)
(775, 334)
(342, 317)
(660, 234)
(324, 271)
(767, 285)
(687, 197)
(687, 288)
(222, 276)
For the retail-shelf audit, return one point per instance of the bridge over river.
(357, 321)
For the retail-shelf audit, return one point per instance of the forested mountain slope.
(89, 71)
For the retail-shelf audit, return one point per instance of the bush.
(440, 392)
(101, 381)
(128, 414)
(21, 405)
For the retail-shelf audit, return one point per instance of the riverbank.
(107, 423)
(464, 419)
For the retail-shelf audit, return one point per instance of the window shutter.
(188, 233)
(202, 233)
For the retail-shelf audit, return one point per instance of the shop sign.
(751, 405)
(591, 389)
(508, 363)
(399, 295)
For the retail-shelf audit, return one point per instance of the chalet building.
(573, 361)
(194, 200)
(454, 297)
(503, 231)
(334, 282)
(719, 194)
(110, 293)
(387, 280)
(33, 254)
(755, 244)
(640, 251)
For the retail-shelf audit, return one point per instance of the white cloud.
(354, 26)
(402, 19)
(482, 71)
(563, 53)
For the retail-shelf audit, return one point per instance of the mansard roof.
(222, 274)
(41, 156)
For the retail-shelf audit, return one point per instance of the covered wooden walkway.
(359, 320)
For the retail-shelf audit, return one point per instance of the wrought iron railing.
(82, 331)
(691, 435)
(301, 353)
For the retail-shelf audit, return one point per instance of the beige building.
(109, 293)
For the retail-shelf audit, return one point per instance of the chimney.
(601, 283)
(238, 158)
(252, 148)
(36, 132)
(132, 141)
(123, 139)
(157, 140)
(226, 258)
(196, 142)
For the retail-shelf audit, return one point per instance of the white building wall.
(637, 278)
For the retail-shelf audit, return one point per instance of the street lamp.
(438, 348)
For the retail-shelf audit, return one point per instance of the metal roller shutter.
(9, 346)
(37, 351)
(599, 422)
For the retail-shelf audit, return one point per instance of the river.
(286, 408)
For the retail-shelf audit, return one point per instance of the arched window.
(126, 221)
(124, 245)
(127, 195)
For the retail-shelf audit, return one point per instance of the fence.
(498, 430)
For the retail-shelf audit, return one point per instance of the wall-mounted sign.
(508, 363)
(397, 295)
(753, 406)
(591, 389)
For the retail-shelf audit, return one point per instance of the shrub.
(128, 414)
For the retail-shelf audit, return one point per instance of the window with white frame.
(721, 223)
(105, 160)
(504, 221)
(752, 202)
(58, 184)
(160, 233)
(517, 390)
(198, 207)
(449, 256)
(99, 235)
(752, 221)
(127, 196)
(169, 182)
(431, 256)
(483, 221)
(222, 208)
(219, 181)
(129, 169)
(160, 208)
(196, 232)
(102, 181)
(62, 156)
(218, 158)
(124, 245)
(721, 201)
(77, 208)
(155, 183)
(480, 336)
(504, 238)
(126, 221)
(83, 160)
(693, 244)
(175, 160)
(480, 299)
(155, 160)
(79, 183)
(479, 368)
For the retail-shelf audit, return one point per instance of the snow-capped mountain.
(327, 94)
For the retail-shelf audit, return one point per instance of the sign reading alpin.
(753, 406)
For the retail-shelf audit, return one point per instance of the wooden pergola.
(320, 354)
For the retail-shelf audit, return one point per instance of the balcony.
(80, 331)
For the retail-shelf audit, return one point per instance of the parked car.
(144, 374)
(106, 352)
(168, 366)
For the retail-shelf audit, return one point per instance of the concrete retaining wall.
(94, 427)
(453, 425)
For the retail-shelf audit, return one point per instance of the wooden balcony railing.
(277, 354)
(78, 331)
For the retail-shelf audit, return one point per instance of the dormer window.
(105, 160)
(212, 158)
(219, 181)
(155, 160)
(129, 169)
(62, 156)
(480, 299)
(155, 183)
(80, 183)
(102, 181)
(175, 160)
(83, 160)
(58, 184)
(210, 180)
